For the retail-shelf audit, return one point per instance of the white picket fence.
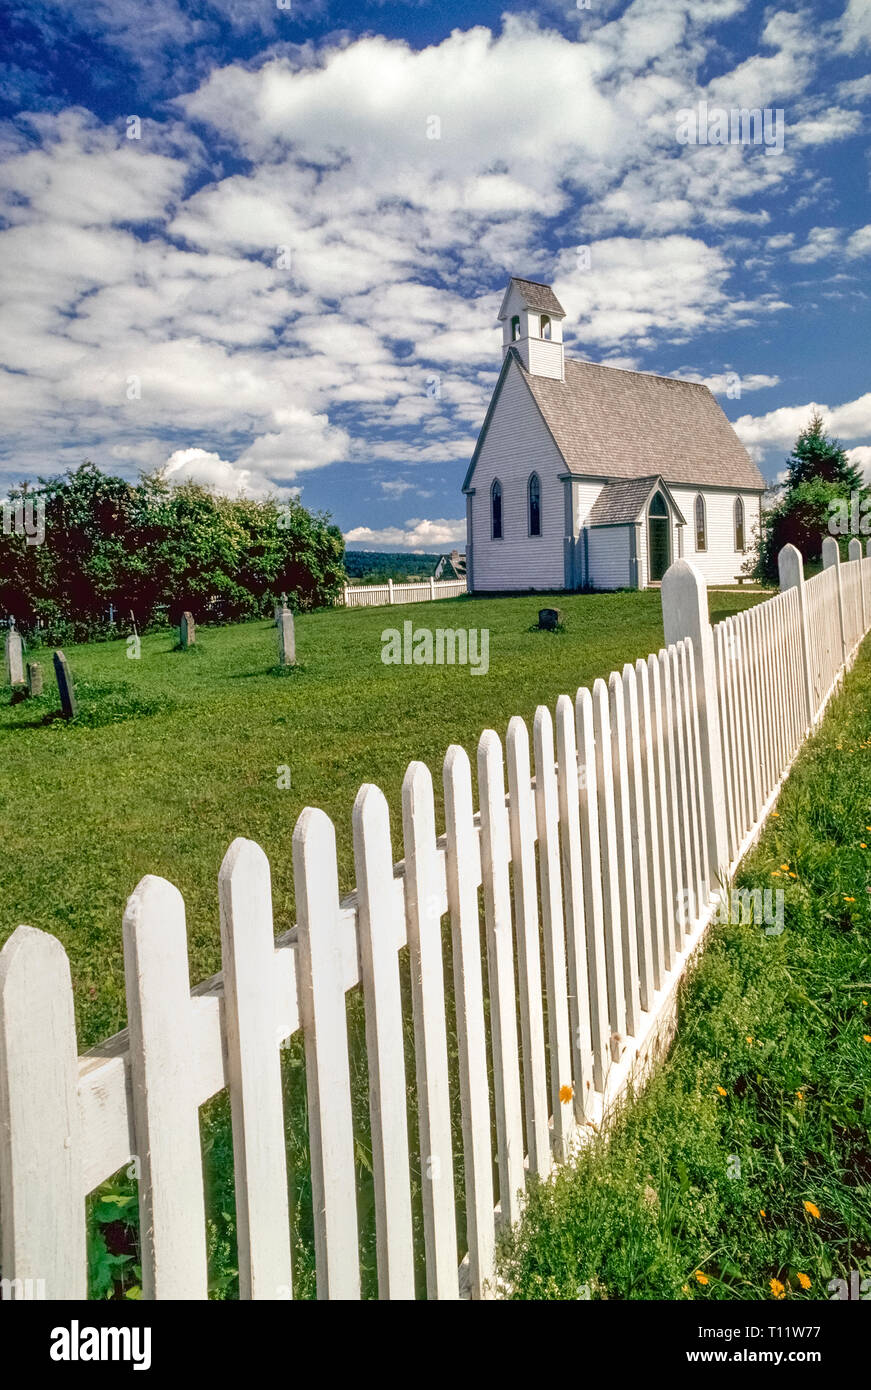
(376, 595)
(641, 796)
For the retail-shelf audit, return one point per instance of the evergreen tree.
(815, 456)
(824, 494)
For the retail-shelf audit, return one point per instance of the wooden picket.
(604, 865)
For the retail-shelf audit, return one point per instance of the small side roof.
(535, 296)
(623, 502)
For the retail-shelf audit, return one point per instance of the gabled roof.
(625, 501)
(535, 296)
(618, 424)
(615, 424)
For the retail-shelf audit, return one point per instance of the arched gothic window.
(534, 494)
(496, 509)
(701, 529)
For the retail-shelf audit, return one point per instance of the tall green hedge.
(158, 549)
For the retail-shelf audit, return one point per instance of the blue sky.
(288, 278)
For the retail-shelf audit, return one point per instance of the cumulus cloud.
(781, 427)
(200, 466)
(417, 534)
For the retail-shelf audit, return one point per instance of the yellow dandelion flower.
(848, 900)
(721, 1092)
(777, 1288)
(775, 873)
(777, 813)
(785, 868)
(866, 1037)
(761, 1211)
(565, 1094)
(792, 875)
(749, 1040)
(800, 1095)
(804, 1281)
(812, 1210)
(862, 844)
(702, 1278)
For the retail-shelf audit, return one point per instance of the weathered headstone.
(187, 631)
(14, 658)
(66, 688)
(286, 639)
(280, 608)
(34, 678)
(549, 618)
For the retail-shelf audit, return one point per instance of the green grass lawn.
(177, 753)
(747, 1159)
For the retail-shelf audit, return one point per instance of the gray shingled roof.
(622, 502)
(540, 297)
(612, 423)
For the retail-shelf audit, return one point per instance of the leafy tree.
(157, 549)
(821, 483)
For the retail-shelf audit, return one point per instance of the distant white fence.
(375, 595)
(642, 796)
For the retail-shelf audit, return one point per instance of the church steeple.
(532, 323)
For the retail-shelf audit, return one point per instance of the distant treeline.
(376, 566)
(73, 545)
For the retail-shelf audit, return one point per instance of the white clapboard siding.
(379, 963)
(553, 932)
(521, 815)
(424, 891)
(463, 876)
(495, 860)
(598, 866)
(254, 1071)
(325, 1030)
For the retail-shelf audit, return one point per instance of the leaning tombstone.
(14, 657)
(65, 686)
(34, 678)
(286, 639)
(187, 631)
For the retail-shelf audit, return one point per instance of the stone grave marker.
(286, 639)
(280, 608)
(66, 688)
(549, 618)
(34, 678)
(14, 658)
(187, 631)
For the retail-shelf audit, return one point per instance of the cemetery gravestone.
(65, 686)
(34, 678)
(280, 608)
(14, 658)
(286, 639)
(549, 618)
(187, 631)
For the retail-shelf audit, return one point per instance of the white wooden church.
(591, 477)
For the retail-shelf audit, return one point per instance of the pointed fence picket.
(568, 910)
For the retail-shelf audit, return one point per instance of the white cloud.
(861, 457)
(781, 427)
(856, 26)
(415, 535)
(821, 242)
(200, 466)
(832, 124)
(859, 244)
(395, 487)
